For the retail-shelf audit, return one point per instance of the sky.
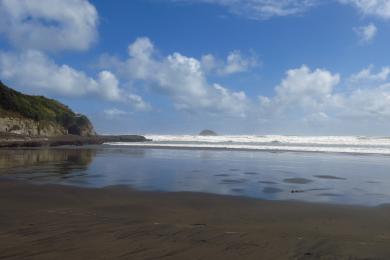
(298, 67)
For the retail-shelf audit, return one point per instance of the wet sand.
(58, 222)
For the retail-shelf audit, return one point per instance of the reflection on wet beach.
(329, 177)
(272, 190)
(297, 180)
(344, 179)
(64, 160)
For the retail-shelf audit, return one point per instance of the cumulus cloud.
(319, 118)
(181, 78)
(49, 24)
(366, 33)
(302, 89)
(114, 113)
(378, 8)
(33, 69)
(311, 96)
(369, 103)
(235, 63)
(367, 75)
(370, 95)
(261, 9)
(266, 9)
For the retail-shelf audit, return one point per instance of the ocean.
(332, 144)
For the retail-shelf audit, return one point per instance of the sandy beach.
(59, 222)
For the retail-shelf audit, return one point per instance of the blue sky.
(179, 66)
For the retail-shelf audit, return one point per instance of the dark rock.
(26, 141)
(82, 127)
(208, 132)
(123, 138)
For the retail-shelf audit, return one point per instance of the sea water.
(335, 144)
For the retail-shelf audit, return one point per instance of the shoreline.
(16, 141)
(211, 148)
(62, 222)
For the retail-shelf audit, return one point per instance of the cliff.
(39, 116)
(29, 127)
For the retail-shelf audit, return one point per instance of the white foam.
(261, 148)
(336, 144)
(346, 140)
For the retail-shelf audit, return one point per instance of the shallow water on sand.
(315, 177)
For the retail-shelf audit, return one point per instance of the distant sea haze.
(332, 144)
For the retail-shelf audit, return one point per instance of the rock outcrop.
(37, 116)
(15, 140)
(82, 127)
(36, 121)
(208, 132)
(29, 127)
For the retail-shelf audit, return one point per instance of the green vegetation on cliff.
(41, 109)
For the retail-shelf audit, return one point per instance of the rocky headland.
(35, 121)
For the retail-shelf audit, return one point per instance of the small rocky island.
(35, 121)
(208, 132)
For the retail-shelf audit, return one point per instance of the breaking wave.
(334, 144)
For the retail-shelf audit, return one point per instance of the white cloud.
(266, 9)
(366, 75)
(378, 8)
(368, 104)
(138, 102)
(319, 118)
(366, 33)
(180, 77)
(303, 89)
(235, 63)
(261, 9)
(310, 96)
(209, 63)
(235, 103)
(114, 113)
(49, 24)
(33, 69)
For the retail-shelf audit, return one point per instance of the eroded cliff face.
(82, 127)
(28, 127)
(38, 116)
